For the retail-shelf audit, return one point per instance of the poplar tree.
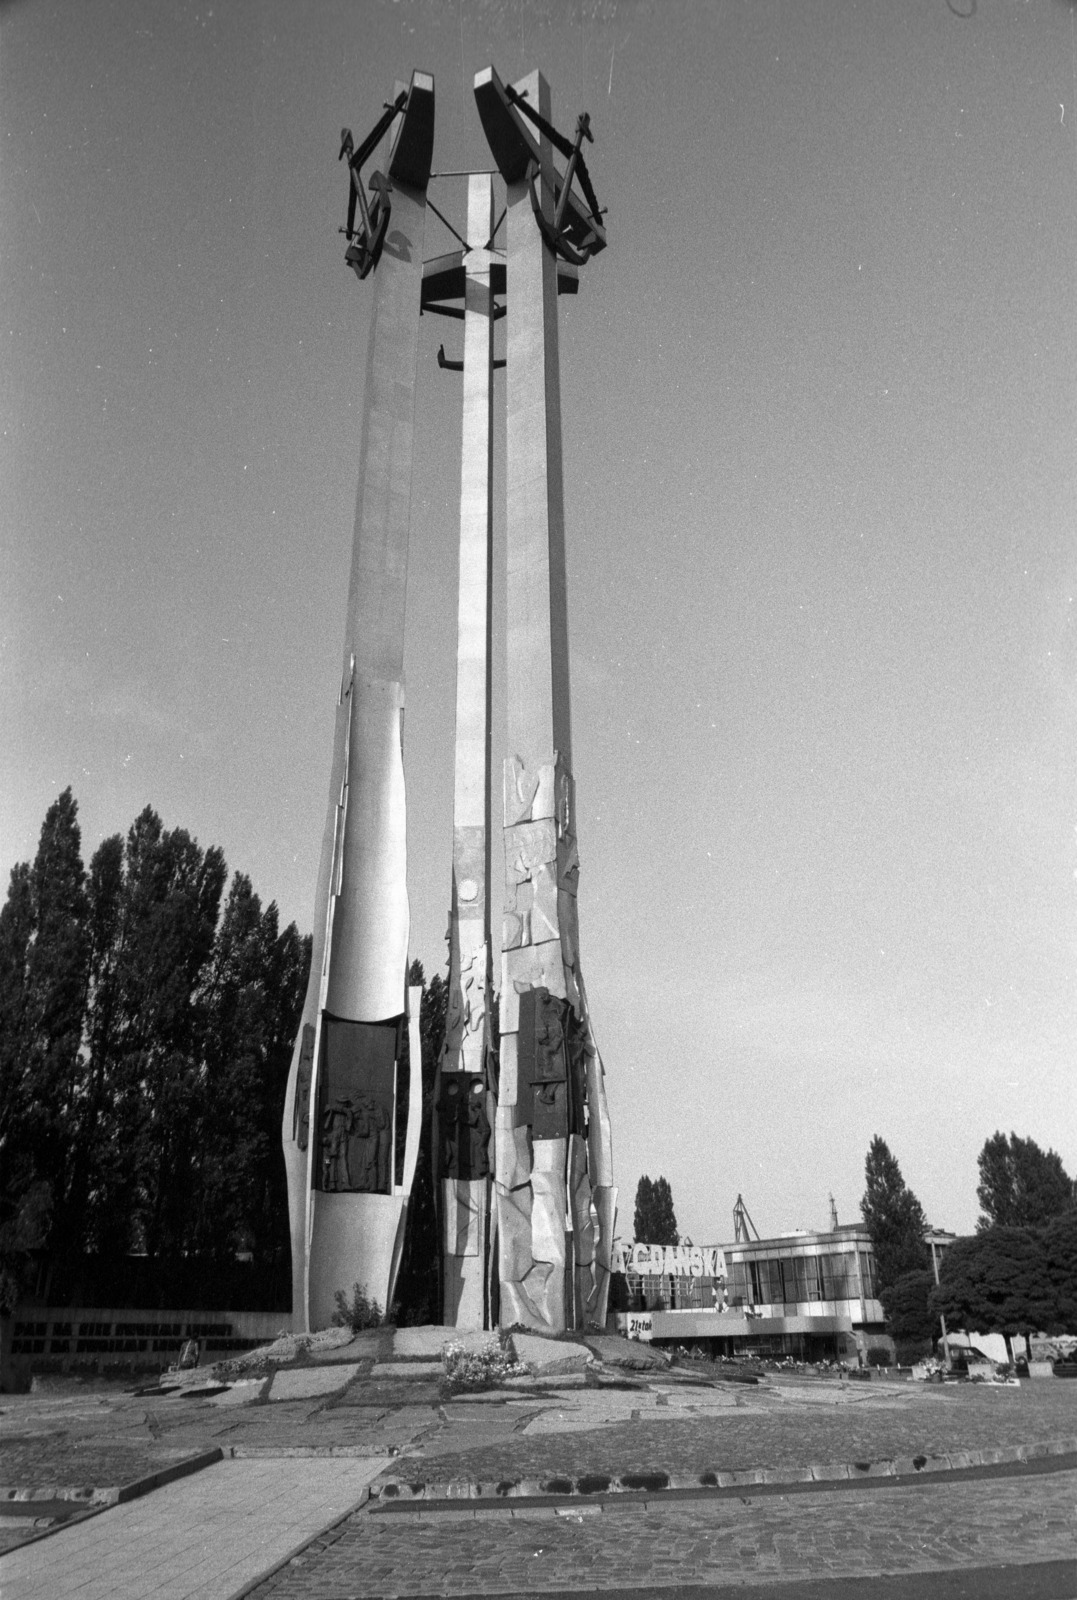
(145, 1042)
(168, 915)
(654, 1220)
(1021, 1186)
(251, 1000)
(44, 948)
(893, 1216)
(25, 1200)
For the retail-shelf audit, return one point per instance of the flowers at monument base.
(468, 1370)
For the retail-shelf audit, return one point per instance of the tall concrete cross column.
(465, 1097)
(553, 1161)
(347, 1191)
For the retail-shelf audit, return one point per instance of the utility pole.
(935, 1269)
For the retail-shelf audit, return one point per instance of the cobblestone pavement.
(612, 1545)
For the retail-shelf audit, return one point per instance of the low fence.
(70, 1339)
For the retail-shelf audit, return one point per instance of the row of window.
(798, 1280)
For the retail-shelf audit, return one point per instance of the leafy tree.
(1021, 1186)
(909, 1318)
(144, 1050)
(893, 1215)
(165, 935)
(17, 1179)
(24, 1228)
(252, 998)
(996, 1282)
(1059, 1240)
(654, 1221)
(43, 973)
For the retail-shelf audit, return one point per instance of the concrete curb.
(398, 1491)
(117, 1495)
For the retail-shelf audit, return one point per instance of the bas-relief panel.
(463, 1126)
(465, 1021)
(356, 1089)
(515, 1258)
(512, 1150)
(301, 1111)
(550, 1067)
(529, 791)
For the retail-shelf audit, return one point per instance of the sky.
(819, 413)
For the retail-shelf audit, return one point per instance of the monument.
(553, 1162)
(348, 1184)
(521, 1137)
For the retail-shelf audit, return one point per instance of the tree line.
(147, 1014)
(1016, 1275)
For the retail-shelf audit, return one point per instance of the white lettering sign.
(635, 1324)
(676, 1261)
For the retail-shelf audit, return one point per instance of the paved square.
(200, 1539)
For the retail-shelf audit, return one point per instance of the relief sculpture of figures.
(337, 1125)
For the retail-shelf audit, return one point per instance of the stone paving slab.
(311, 1383)
(205, 1537)
(651, 1546)
(548, 1357)
(391, 1392)
(627, 1353)
(426, 1343)
(763, 1431)
(243, 1393)
(576, 1412)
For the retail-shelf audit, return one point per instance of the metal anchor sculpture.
(364, 244)
(574, 240)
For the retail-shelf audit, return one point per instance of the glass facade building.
(808, 1295)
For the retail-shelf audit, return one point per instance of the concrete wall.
(67, 1338)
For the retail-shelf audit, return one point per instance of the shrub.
(878, 1357)
(910, 1351)
(362, 1313)
(470, 1370)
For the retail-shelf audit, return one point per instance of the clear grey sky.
(819, 409)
